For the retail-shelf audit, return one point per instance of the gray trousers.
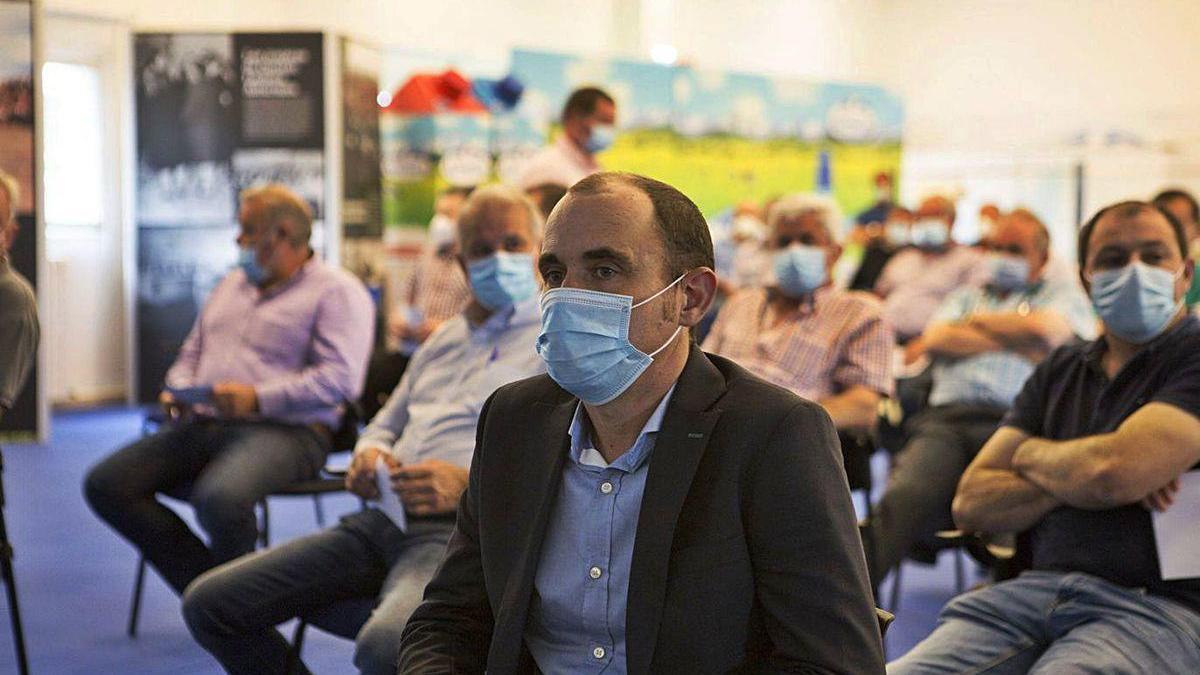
(942, 442)
(232, 610)
(222, 467)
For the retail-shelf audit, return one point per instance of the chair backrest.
(885, 619)
(857, 449)
(345, 437)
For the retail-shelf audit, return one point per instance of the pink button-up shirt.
(303, 344)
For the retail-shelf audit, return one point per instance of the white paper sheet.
(1176, 534)
(389, 501)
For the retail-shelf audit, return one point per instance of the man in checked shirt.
(803, 334)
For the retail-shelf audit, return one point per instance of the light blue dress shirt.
(995, 378)
(433, 412)
(577, 614)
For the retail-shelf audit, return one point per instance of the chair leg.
(293, 658)
(894, 603)
(960, 581)
(264, 532)
(135, 603)
(10, 583)
(319, 511)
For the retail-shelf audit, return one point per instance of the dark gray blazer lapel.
(538, 478)
(685, 432)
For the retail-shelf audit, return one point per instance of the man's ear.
(699, 290)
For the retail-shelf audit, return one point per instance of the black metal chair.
(306, 488)
(857, 449)
(344, 439)
(10, 582)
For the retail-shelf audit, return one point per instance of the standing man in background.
(18, 306)
(588, 120)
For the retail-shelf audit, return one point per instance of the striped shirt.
(995, 378)
(839, 342)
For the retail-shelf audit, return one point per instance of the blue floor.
(75, 575)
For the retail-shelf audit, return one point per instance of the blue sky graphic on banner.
(702, 102)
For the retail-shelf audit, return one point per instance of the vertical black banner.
(216, 113)
(17, 152)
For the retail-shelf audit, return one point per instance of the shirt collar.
(574, 153)
(305, 269)
(583, 449)
(1094, 351)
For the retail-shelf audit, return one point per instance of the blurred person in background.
(983, 343)
(916, 280)
(434, 292)
(253, 399)
(802, 333)
(881, 244)
(589, 120)
(1181, 204)
(19, 328)
(546, 196)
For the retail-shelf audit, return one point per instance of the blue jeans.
(1055, 623)
(222, 467)
(232, 610)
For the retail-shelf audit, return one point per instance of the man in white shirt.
(425, 435)
(588, 120)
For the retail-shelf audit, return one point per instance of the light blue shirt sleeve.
(957, 306)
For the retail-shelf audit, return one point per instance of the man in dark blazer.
(645, 507)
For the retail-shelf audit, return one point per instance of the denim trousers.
(1058, 623)
(232, 610)
(222, 467)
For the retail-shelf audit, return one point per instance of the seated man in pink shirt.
(254, 395)
(800, 332)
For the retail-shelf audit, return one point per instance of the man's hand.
(421, 331)
(1162, 498)
(397, 327)
(173, 409)
(430, 487)
(235, 399)
(360, 478)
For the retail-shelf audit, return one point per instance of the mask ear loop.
(664, 290)
(676, 333)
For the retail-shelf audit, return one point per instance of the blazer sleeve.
(451, 630)
(810, 571)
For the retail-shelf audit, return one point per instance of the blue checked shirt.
(995, 378)
(577, 616)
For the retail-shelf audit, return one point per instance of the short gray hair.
(280, 203)
(11, 187)
(489, 197)
(808, 202)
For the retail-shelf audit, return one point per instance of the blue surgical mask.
(248, 262)
(502, 279)
(800, 270)
(930, 233)
(585, 342)
(1136, 302)
(601, 138)
(1009, 273)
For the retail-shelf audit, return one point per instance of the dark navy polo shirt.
(1068, 396)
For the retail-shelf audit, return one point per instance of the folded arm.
(1038, 332)
(1152, 447)
(854, 408)
(958, 340)
(992, 497)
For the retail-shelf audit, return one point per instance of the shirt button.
(598, 652)
(595, 573)
(606, 487)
